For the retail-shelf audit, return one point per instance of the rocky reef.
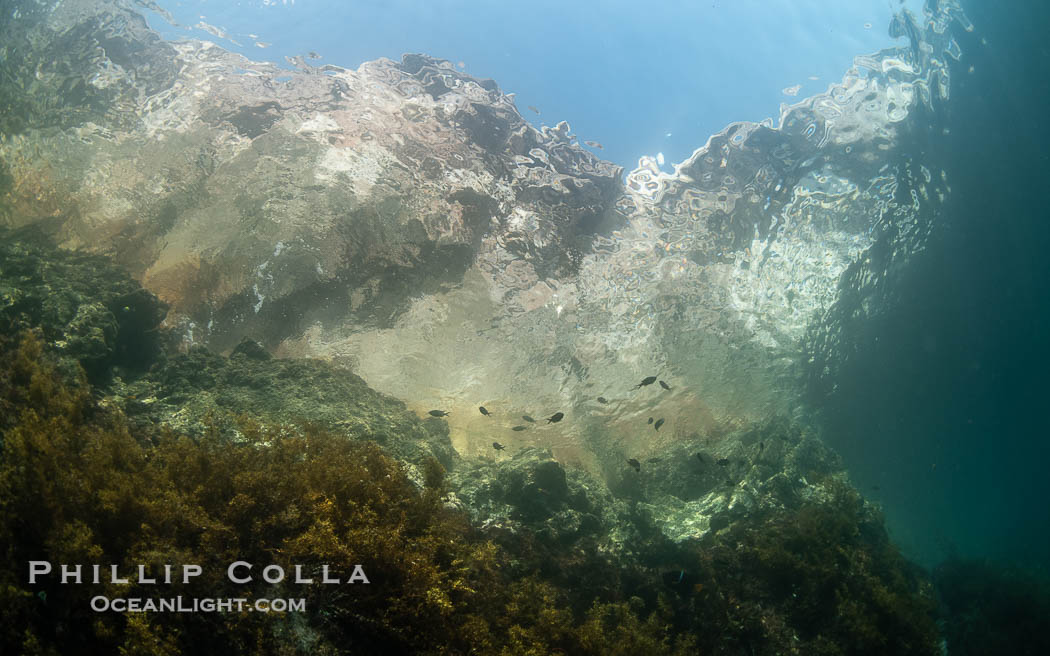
(88, 309)
(202, 458)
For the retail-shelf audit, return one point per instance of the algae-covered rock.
(250, 349)
(531, 496)
(86, 307)
(755, 559)
(694, 487)
(197, 390)
(529, 487)
(92, 314)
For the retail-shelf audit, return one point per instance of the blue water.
(639, 78)
(943, 409)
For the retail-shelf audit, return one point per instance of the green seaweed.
(208, 460)
(78, 487)
(824, 578)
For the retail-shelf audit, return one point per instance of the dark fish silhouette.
(484, 411)
(650, 420)
(556, 417)
(497, 446)
(528, 419)
(761, 447)
(534, 109)
(634, 463)
(594, 144)
(602, 399)
(665, 386)
(648, 380)
(653, 460)
(722, 462)
(700, 456)
(519, 428)
(438, 413)
(659, 423)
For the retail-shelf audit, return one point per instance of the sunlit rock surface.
(404, 220)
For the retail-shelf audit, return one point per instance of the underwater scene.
(524, 328)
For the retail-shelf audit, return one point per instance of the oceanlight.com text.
(180, 604)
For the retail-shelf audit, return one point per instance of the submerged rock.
(92, 315)
(200, 389)
(86, 307)
(250, 349)
(722, 558)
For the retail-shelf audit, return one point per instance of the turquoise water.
(942, 410)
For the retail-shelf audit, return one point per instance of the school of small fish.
(558, 416)
(682, 579)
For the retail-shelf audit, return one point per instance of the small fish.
(534, 109)
(680, 580)
(483, 411)
(497, 446)
(313, 55)
(555, 418)
(700, 456)
(519, 428)
(438, 413)
(722, 462)
(761, 447)
(528, 419)
(659, 423)
(648, 380)
(594, 144)
(650, 420)
(602, 399)
(653, 460)
(634, 463)
(665, 386)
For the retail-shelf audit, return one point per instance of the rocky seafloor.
(118, 448)
(751, 543)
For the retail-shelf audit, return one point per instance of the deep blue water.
(945, 410)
